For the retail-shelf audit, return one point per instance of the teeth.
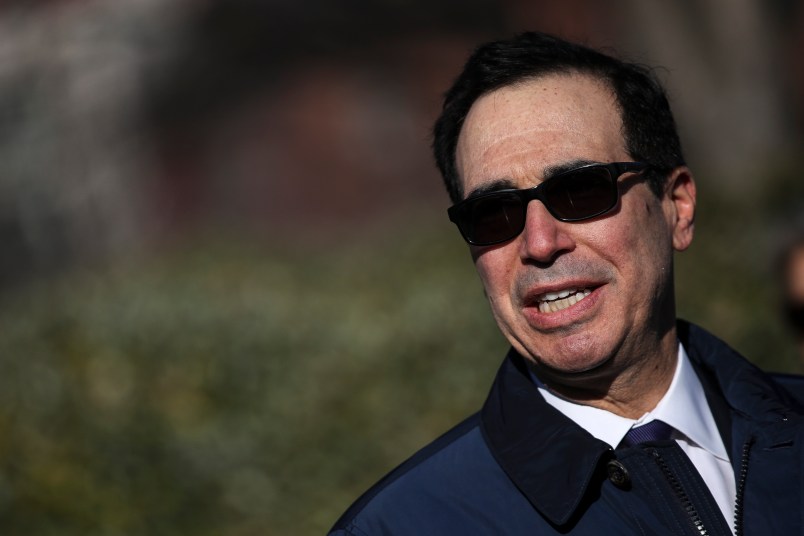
(552, 296)
(552, 302)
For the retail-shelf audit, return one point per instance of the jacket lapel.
(551, 459)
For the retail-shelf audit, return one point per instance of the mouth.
(552, 302)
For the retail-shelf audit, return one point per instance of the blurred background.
(230, 299)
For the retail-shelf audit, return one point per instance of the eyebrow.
(492, 186)
(549, 173)
(558, 169)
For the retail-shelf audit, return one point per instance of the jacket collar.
(744, 400)
(517, 423)
(746, 389)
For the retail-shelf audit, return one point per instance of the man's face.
(619, 264)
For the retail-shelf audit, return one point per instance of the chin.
(572, 358)
(575, 366)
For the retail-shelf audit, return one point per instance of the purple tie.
(652, 431)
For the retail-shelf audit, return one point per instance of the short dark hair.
(649, 128)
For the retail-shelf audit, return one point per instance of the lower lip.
(564, 317)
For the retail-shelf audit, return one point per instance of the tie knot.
(652, 431)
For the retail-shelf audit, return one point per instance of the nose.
(544, 237)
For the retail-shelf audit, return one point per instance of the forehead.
(516, 132)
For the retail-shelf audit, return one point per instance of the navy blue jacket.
(521, 467)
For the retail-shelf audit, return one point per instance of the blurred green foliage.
(230, 390)
(243, 390)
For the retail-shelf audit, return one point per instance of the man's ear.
(681, 200)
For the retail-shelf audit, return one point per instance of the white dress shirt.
(684, 407)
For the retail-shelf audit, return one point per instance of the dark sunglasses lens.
(581, 194)
(495, 218)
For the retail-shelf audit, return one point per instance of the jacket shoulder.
(452, 462)
(730, 368)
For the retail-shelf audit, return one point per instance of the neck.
(626, 386)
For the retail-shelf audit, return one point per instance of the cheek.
(492, 275)
(649, 250)
(645, 231)
(496, 273)
(637, 244)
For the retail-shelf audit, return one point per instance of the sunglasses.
(577, 194)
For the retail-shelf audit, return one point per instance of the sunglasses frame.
(457, 213)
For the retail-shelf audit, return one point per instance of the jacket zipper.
(738, 504)
(686, 503)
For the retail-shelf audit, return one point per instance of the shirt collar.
(684, 407)
(602, 424)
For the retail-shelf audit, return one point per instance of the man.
(607, 416)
